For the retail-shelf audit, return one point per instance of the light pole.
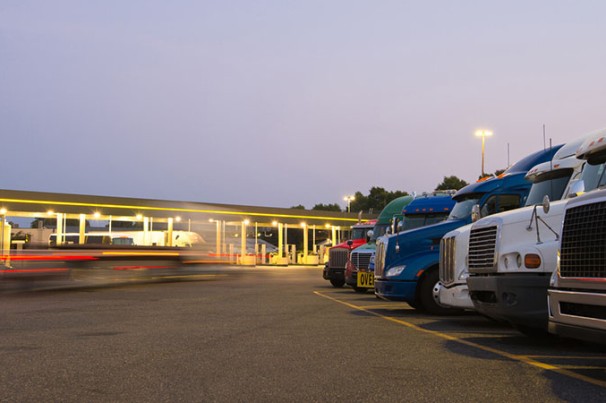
(349, 199)
(483, 134)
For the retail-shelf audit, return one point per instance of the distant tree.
(327, 207)
(376, 200)
(299, 207)
(451, 183)
(499, 172)
(359, 203)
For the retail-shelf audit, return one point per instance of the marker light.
(532, 261)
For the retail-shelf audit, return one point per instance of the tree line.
(378, 197)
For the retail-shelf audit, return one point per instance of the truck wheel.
(416, 305)
(361, 290)
(427, 299)
(337, 282)
(534, 332)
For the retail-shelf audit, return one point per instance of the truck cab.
(511, 255)
(426, 209)
(406, 264)
(549, 178)
(577, 290)
(362, 253)
(334, 269)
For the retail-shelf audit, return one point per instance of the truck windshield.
(593, 176)
(551, 184)
(379, 230)
(421, 220)
(463, 208)
(359, 233)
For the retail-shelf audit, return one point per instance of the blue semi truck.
(407, 263)
(424, 210)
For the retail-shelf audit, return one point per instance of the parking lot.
(272, 334)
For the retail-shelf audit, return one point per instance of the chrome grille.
(447, 260)
(361, 259)
(380, 259)
(337, 257)
(583, 250)
(482, 248)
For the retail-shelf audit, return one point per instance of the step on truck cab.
(334, 269)
(406, 264)
(577, 289)
(511, 255)
(391, 212)
(426, 209)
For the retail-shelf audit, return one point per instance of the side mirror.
(349, 243)
(546, 204)
(400, 225)
(475, 213)
(576, 188)
(370, 233)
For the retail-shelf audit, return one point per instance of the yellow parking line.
(386, 306)
(520, 358)
(567, 357)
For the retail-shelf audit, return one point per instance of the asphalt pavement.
(271, 334)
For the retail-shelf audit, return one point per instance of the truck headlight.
(395, 271)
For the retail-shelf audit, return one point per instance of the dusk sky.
(280, 103)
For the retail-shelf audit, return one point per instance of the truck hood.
(369, 247)
(356, 243)
(521, 217)
(429, 235)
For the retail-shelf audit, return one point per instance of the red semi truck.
(334, 269)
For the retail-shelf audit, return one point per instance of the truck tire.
(534, 332)
(337, 282)
(426, 297)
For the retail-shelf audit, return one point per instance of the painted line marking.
(514, 357)
(394, 307)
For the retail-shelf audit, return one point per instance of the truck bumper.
(332, 273)
(395, 290)
(455, 296)
(578, 314)
(517, 299)
(351, 278)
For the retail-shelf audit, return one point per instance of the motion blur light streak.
(37, 270)
(47, 257)
(141, 267)
(112, 253)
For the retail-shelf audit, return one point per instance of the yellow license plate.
(366, 279)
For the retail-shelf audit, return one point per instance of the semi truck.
(426, 209)
(334, 268)
(577, 288)
(361, 254)
(549, 178)
(512, 255)
(406, 264)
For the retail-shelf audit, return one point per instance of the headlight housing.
(395, 271)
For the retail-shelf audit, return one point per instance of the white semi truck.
(577, 289)
(511, 256)
(549, 178)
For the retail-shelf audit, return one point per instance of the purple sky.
(279, 103)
